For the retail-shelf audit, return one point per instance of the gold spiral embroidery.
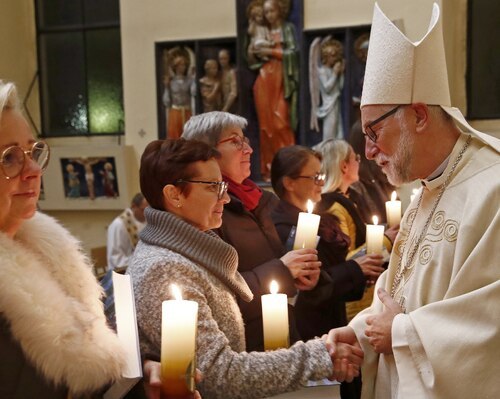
(437, 220)
(411, 216)
(451, 230)
(425, 255)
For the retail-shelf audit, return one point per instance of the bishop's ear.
(422, 116)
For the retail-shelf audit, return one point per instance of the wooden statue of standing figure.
(273, 51)
(229, 83)
(211, 87)
(179, 89)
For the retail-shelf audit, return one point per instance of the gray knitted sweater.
(173, 251)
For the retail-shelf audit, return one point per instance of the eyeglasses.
(221, 185)
(13, 159)
(369, 128)
(357, 158)
(238, 141)
(319, 178)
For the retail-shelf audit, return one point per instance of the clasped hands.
(344, 347)
(304, 267)
(345, 352)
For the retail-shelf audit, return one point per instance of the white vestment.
(447, 343)
(122, 239)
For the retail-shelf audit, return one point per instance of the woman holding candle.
(54, 340)
(296, 177)
(247, 224)
(341, 166)
(183, 184)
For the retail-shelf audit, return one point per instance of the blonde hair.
(9, 99)
(334, 152)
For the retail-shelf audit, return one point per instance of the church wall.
(148, 21)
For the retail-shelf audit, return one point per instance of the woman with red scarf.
(248, 227)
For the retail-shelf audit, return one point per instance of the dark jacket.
(323, 308)
(328, 199)
(259, 249)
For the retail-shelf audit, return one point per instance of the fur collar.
(52, 302)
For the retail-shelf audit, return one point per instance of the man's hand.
(346, 353)
(380, 325)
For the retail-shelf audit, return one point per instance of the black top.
(349, 203)
(323, 308)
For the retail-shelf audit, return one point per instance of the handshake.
(345, 352)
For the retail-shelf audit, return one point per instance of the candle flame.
(375, 220)
(393, 196)
(310, 206)
(274, 287)
(176, 292)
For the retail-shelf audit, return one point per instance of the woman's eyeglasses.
(319, 178)
(221, 185)
(13, 159)
(238, 141)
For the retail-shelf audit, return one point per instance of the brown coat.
(259, 248)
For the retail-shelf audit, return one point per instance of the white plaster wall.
(144, 22)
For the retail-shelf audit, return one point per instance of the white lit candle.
(178, 346)
(307, 228)
(414, 192)
(374, 237)
(393, 210)
(275, 319)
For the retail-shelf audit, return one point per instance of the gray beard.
(398, 171)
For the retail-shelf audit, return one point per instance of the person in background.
(433, 320)
(296, 178)
(341, 165)
(123, 233)
(372, 190)
(248, 227)
(54, 340)
(183, 184)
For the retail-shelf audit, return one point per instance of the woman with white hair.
(54, 339)
(341, 167)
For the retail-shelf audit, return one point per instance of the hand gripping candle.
(178, 346)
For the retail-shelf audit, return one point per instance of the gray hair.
(208, 127)
(137, 200)
(8, 97)
(334, 151)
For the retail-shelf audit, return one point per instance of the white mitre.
(399, 71)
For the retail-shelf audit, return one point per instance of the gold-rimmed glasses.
(13, 158)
